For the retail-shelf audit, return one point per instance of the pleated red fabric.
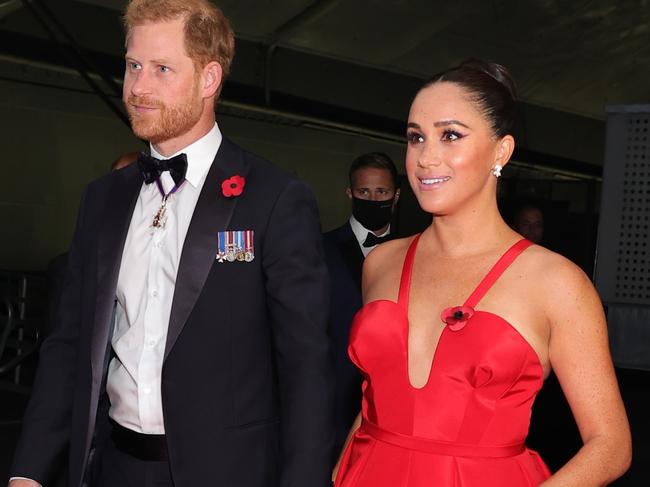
(467, 426)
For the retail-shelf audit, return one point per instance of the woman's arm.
(579, 355)
(353, 429)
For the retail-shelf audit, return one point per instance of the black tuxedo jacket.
(344, 262)
(246, 379)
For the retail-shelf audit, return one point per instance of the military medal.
(221, 247)
(160, 219)
(249, 255)
(231, 246)
(239, 246)
(235, 246)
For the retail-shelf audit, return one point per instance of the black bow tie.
(151, 168)
(372, 240)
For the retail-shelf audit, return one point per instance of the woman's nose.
(428, 156)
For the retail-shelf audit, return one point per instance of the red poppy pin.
(457, 317)
(233, 186)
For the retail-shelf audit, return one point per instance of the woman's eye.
(164, 69)
(451, 135)
(414, 138)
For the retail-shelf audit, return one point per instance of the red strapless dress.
(467, 426)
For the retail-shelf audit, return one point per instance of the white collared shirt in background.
(145, 290)
(361, 233)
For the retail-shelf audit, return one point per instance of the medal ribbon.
(159, 218)
(171, 191)
(221, 243)
(249, 241)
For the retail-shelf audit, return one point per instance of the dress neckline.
(483, 287)
(486, 283)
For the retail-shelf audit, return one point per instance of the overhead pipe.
(88, 61)
(8, 6)
(30, 5)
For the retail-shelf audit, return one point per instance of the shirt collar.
(200, 155)
(361, 232)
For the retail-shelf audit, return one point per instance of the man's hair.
(526, 206)
(378, 160)
(124, 160)
(208, 35)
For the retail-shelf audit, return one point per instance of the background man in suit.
(191, 344)
(373, 193)
(529, 222)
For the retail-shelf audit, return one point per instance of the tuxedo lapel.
(112, 235)
(212, 214)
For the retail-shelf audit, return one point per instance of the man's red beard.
(165, 122)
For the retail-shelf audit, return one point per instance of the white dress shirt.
(145, 289)
(361, 233)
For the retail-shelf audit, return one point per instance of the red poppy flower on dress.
(233, 186)
(457, 316)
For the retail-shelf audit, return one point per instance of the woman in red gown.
(463, 323)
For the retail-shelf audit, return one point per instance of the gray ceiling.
(571, 55)
(570, 58)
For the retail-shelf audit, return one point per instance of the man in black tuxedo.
(373, 193)
(190, 346)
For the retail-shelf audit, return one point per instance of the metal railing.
(23, 310)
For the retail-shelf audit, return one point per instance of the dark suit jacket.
(344, 262)
(246, 379)
(55, 278)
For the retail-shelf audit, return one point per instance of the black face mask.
(373, 215)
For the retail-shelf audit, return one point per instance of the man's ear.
(348, 191)
(396, 199)
(212, 78)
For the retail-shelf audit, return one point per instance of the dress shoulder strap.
(407, 269)
(502, 264)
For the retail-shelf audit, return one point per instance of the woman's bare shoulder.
(382, 268)
(557, 278)
(387, 253)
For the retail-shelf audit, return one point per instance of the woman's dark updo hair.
(490, 86)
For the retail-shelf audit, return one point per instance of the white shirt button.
(146, 390)
(154, 293)
(151, 343)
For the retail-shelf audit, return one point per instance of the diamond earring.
(496, 170)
